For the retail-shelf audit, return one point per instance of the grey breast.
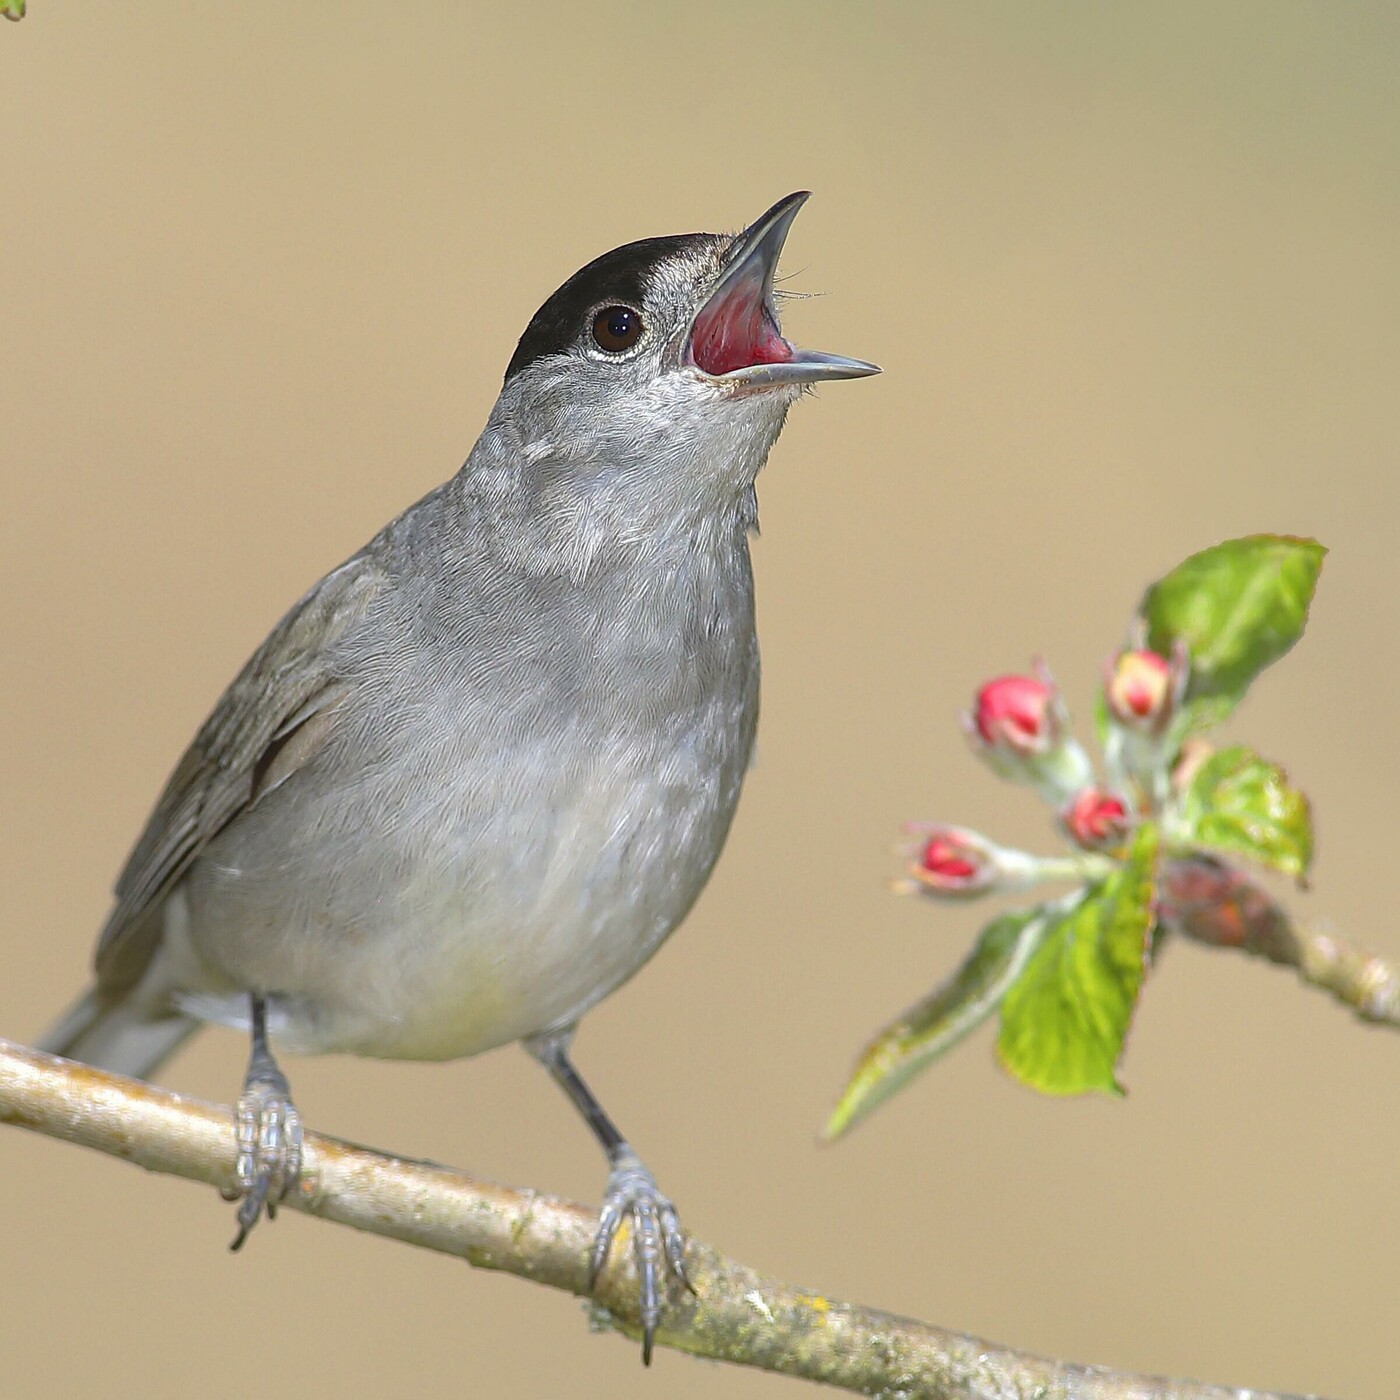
(512, 746)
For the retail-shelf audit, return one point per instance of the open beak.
(735, 335)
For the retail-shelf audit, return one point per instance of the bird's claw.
(267, 1128)
(658, 1243)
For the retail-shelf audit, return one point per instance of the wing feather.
(275, 716)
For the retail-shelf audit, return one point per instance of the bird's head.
(652, 384)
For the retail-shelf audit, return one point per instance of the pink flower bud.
(1142, 689)
(952, 861)
(1018, 714)
(1018, 728)
(1096, 819)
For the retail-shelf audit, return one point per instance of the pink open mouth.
(736, 331)
(735, 335)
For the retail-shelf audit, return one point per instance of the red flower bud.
(1096, 819)
(1018, 728)
(1017, 713)
(952, 861)
(946, 860)
(1142, 689)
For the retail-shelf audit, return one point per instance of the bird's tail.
(112, 1033)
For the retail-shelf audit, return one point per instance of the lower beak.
(735, 335)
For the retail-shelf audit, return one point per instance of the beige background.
(1135, 283)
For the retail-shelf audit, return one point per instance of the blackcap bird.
(475, 777)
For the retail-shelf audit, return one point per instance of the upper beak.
(735, 335)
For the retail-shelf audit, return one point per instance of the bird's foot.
(267, 1127)
(658, 1243)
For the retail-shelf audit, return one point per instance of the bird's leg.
(631, 1194)
(267, 1128)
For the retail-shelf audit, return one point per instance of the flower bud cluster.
(1019, 726)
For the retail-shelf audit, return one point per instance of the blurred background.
(1133, 277)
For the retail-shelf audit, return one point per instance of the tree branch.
(1362, 980)
(738, 1315)
(1213, 903)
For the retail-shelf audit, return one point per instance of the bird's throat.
(736, 330)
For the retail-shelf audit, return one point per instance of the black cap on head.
(616, 276)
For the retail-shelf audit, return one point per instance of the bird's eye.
(617, 328)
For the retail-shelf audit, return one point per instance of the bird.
(477, 774)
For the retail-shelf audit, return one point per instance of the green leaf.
(1241, 804)
(1237, 607)
(1064, 1022)
(1205, 712)
(942, 1019)
(12, 9)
